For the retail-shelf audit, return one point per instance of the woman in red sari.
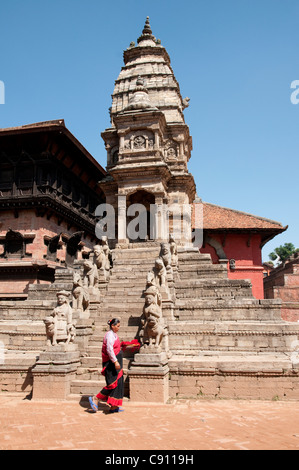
(112, 358)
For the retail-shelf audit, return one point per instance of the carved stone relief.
(141, 140)
(171, 151)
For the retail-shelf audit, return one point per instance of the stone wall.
(283, 283)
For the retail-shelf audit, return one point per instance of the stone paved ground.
(182, 425)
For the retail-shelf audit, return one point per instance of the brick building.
(238, 237)
(48, 195)
(283, 283)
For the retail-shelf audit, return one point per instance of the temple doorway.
(140, 219)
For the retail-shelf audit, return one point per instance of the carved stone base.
(54, 372)
(149, 377)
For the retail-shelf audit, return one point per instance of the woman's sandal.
(116, 410)
(93, 405)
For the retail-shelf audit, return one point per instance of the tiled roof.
(57, 125)
(222, 218)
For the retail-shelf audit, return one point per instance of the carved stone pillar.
(160, 229)
(122, 219)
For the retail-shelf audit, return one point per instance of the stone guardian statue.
(60, 327)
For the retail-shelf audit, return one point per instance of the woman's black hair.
(113, 322)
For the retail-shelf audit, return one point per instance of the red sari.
(114, 391)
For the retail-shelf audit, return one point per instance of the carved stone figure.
(139, 142)
(173, 251)
(102, 258)
(60, 326)
(106, 251)
(153, 327)
(186, 102)
(80, 294)
(99, 257)
(166, 255)
(91, 277)
(160, 273)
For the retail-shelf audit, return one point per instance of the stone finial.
(147, 33)
(147, 27)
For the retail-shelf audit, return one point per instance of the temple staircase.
(123, 299)
(222, 336)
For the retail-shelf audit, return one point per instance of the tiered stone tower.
(148, 144)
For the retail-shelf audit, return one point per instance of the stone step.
(217, 362)
(126, 279)
(23, 334)
(220, 283)
(201, 288)
(193, 256)
(95, 362)
(232, 336)
(87, 387)
(202, 270)
(141, 252)
(230, 309)
(197, 274)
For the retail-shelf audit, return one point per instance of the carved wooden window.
(14, 245)
(66, 185)
(25, 176)
(84, 200)
(44, 175)
(76, 193)
(6, 178)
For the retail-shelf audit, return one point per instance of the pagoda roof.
(56, 126)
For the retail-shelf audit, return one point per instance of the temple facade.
(81, 244)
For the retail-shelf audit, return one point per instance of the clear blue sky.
(235, 59)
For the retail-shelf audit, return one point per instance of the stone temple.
(71, 259)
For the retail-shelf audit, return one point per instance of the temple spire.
(147, 34)
(147, 27)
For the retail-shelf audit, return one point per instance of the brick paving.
(182, 425)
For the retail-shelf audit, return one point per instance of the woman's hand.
(117, 365)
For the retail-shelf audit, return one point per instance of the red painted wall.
(247, 255)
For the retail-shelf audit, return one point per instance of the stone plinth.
(54, 372)
(149, 377)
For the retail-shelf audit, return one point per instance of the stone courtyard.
(182, 425)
